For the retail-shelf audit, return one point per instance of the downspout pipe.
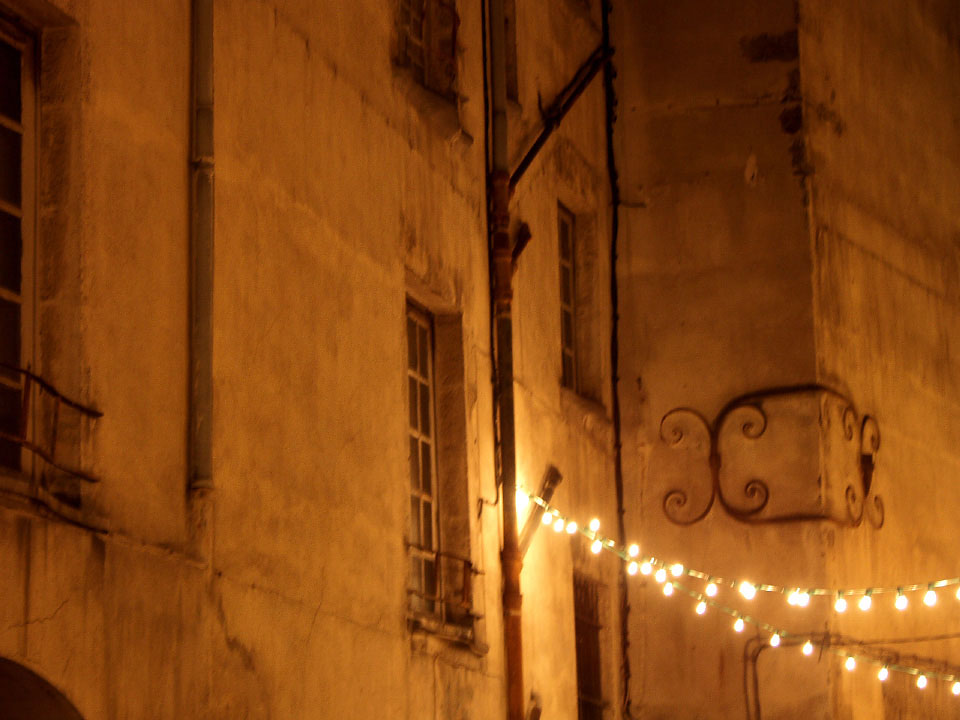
(511, 559)
(200, 408)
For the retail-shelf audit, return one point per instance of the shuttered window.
(586, 613)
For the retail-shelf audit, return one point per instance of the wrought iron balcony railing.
(446, 600)
(28, 432)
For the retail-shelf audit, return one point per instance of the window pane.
(414, 413)
(416, 573)
(430, 579)
(425, 410)
(566, 285)
(415, 521)
(9, 81)
(564, 240)
(9, 332)
(9, 423)
(567, 330)
(414, 464)
(411, 344)
(10, 252)
(424, 354)
(427, 525)
(10, 166)
(425, 466)
(567, 371)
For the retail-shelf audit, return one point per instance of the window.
(427, 43)
(440, 586)
(586, 613)
(510, 49)
(423, 507)
(568, 309)
(17, 175)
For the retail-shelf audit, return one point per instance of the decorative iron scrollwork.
(748, 498)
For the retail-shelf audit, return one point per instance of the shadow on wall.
(24, 695)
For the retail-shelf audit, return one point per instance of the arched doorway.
(24, 695)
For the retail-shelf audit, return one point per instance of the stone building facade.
(252, 444)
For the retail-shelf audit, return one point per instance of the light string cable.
(798, 596)
(668, 574)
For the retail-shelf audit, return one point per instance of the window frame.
(421, 555)
(26, 213)
(587, 628)
(566, 222)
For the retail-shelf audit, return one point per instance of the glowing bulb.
(775, 640)
(958, 593)
(711, 590)
(596, 546)
(594, 525)
(668, 589)
(840, 605)
(660, 575)
(632, 568)
(792, 598)
(901, 602)
(523, 500)
(808, 648)
(646, 568)
(676, 570)
(930, 599)
(747, 590)
(738, 625)
(922, 682)
(803, 599)
(850, 664)
(865, 603)
(571, 527)
(883, 674)
(633, 550)
(955, 688)
(547, 518)
(558, 525)
(701, 607)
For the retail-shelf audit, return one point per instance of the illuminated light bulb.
(958, 593)
(596, 546)
(883, 674)
(711, 589)
(865, 603)
(747, 590)
(632, 568)
(775, 640)
(633, 550)
(646, 568)
(930, 599)
(594, 525)
(955, 688)
(676, 570)
(701, 607)
(668, 589)
(792, 598)
(660, 575)
(850, 664)
(571, 527)
(738, 625)
(901, 602)
(841, 604)
(558, 524)
(523, 500)
(922, 681)
(808, 648)
(803, 599)
(547, 518)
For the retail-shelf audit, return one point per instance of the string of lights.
(797, 596)
(668, 574)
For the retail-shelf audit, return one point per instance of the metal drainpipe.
(200, 439)
(502, 269)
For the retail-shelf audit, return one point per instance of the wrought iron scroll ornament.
(754, 494)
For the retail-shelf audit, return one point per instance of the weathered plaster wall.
(881, 116)
(715, 278)
(342, 188)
